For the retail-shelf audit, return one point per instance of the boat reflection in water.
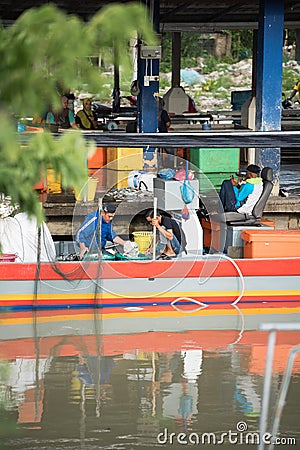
(74, 382)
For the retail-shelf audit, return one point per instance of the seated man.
(171, 234)
(241, 197)
(238, 199)
(87, 234)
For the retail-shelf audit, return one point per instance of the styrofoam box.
(169, 197)
(234, 238)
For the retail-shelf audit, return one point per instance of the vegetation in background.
(193, 47)
(289, 78)
(218, 83)
(37, 65)
(217, 70)
(242, 44)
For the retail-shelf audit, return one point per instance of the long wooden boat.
(151, 289)
(148, 289)
(90, 310)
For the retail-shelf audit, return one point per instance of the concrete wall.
(285, 211)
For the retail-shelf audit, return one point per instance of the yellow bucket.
(88, 192)
(53, 182)
(143, 239)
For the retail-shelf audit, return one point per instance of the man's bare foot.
(169, 251)
(163, 250)
(170, 254)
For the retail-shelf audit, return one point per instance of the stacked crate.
(214, 165)
(120, 162)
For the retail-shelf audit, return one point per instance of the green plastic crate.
(206, 180)
(216, 160)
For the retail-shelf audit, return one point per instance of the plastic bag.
(166, 174)
(187, 192)
(131, 249)
(180, 175)
(185, 213)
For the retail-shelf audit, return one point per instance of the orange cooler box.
(271, 243)
(211, 234)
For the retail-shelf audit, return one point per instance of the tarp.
(191, 76)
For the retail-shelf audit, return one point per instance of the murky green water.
(71, 391)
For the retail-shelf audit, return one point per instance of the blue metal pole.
(147, 99)
(148, 79)
(269, 79)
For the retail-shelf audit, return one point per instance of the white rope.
(189, 299)
(241, 332)
(238, 271)
(204, 305)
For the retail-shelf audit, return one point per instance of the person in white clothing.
(19, 235)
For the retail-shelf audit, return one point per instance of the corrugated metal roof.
(175, 15)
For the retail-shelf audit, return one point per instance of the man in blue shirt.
(241, 198)
(87, 234)
(238, 199)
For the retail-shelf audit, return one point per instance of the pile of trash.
(210, 91)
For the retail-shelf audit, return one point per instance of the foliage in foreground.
(46, 53)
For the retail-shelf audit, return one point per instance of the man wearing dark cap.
(242, 197)
(87, 234)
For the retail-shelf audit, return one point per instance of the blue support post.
(148, 104)
(269, 79)
(148, 98)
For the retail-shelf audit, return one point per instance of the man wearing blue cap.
(87, 234)
(242, 197)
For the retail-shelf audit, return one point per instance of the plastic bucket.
(88, 192)
(53, 182)
(143, 239)
(8, 257)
